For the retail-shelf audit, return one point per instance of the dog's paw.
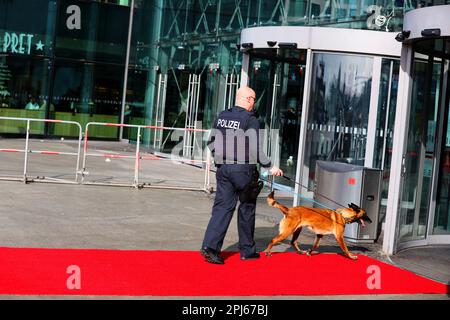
(268, 254)
(353, 257)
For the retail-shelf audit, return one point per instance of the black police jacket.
(235, 138)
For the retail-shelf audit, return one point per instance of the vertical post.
(85, 147)
(445, 65)
(373, 113)
(80, 137)
(225, 93)
(161, 113)
(218, 15)
(259, 12)
(210, 160)
(186, 122)
(138, 158)
(207, 170)
(52, 17)
(301, 177)
(386, 124)
(25, 165)
(272, 114)
(398, 150)
(158, 97)
(125, 77)
(245, 69)
(230, 92)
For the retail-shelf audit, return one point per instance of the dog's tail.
(273, 203)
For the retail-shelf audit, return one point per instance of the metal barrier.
(138, 157)
(25, 178)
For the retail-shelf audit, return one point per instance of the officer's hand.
(275, 171)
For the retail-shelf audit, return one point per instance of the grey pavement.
(43, 215)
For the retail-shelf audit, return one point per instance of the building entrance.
(424, 209)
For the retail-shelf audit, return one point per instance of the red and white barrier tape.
(149, 127)
(145, 158)
(11, 150)
(46, 152)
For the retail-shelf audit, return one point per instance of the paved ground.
(432, 262)
(82, 216)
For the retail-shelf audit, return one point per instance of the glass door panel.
(442, 215)
(261, 80)
(180, 110)
(339, 109)
(441, 225)
(420, 150)
(277, 76)
(287, 119)
(385, 127)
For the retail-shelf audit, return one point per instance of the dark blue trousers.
(232, 182)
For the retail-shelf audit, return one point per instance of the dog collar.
(346, 220)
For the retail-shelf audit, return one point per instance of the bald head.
(245, 98)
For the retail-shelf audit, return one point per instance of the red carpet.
(184, 273)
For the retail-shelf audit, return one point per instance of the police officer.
(235, 144)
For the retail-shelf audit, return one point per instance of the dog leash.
(313, 201)
(308, 189)
(305, 198)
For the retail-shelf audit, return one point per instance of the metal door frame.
(388, 118)
(160, 109)
(232, 83)
(189, 139)
(271, 140)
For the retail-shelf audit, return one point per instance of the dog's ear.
(355, 207)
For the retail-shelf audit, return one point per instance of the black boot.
(211, 256)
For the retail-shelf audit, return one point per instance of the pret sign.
(20, 43)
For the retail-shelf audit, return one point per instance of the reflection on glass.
(420, 152)
(94, 38)
(23, 93)
(288, 111)
(442, 214)
(27, 27)
(134, 112)
(277, 76)
(175, 110)
(85, 92)
(441, 224)
(118, 2)
(387, 102)
(339, 108)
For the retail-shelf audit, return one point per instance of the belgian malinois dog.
(320, 221)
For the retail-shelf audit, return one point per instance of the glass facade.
(62, 60)
(177, 63)
(25, 60)
(67, 59)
